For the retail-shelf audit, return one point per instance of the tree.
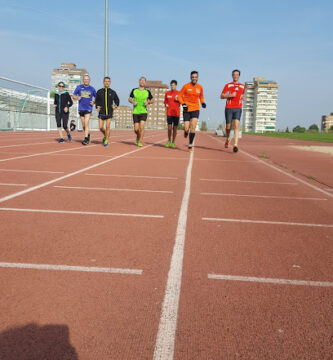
(219, 127)
(314, 128)
(52, 93)
(180, 126)
(287, 130)
(204, 126)
(299, 129)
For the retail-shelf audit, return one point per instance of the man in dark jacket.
(106, 101)
(62, 103)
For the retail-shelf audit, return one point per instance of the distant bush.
(299, 129)
(330, 129)
(314, 128)
(204, 126)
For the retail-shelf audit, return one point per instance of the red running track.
(86, 260)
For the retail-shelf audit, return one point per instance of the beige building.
(69, 74)
(156, 112)
(326, 122)
(123, 117)
(259, 111)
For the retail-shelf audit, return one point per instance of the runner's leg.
(142, 130)
(101, 126)
(86, 125)
(236, 130)
(169, 131)
(193, 125)
(174, 133)
(107, 128)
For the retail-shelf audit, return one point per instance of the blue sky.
(289, 41)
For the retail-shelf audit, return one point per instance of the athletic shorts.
(232, 114)
(173, 120)
(139, 117)
(85, 112)
(105, 117)
(189, 115)
(64, 117)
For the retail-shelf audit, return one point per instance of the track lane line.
(5, 184)
(250, 181)
(136, 176)
(34, 171)
(263, 196)
(266, 222)
(71, 268)
(36, 187)
(51, 211)
(112, 189)
(165, 340)
(270, 280)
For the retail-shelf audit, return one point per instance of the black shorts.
(105, 117)
(64, 117)
(139, 117)
(173, 120)
(85, 112)
(189, 115)
(232, 114)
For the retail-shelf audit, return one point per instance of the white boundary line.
(70, 268)
(34, 171)
(250, 181)
(50, 211)
(12, 196)
(266, 222)
(4, 184)
(44, 153)
(30, 144)
(270, 280)
(112, 189)
(264, 196)
(281, 171)
(136, 176)
(165, 341)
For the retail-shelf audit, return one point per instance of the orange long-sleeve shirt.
(190, 95)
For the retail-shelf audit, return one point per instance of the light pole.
(106, 39)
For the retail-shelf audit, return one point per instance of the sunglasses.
(60, 85)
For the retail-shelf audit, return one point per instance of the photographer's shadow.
(34, 342)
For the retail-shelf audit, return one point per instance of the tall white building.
(259, 112)
(69, 74)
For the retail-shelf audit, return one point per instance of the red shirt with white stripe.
(173, 104)
(235, 102)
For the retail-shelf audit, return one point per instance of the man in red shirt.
(173, 112)
(234, 94)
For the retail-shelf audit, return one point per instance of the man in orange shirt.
(234, 93)
(189, 97)
(173, 112)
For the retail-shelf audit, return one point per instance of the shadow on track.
(34, 342)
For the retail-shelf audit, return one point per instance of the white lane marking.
(267, 222)
(34, 171)
(250, 181)
(226, 160)
(9, 197)
(44, 153)
(136, 176)
(264, 196)
(270, 280)
(155, 158)
(30, 144)
(165, 341)
(71, 268)
(50, 211)
(281, 171)
(290, 175)
(112, 189)
(4, 184)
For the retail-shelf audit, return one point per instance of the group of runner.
(190, 97)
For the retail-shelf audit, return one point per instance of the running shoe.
(85, 141)
(139, 143)
(235, 149)
(61, 140)
(104, 138)
(69, 137)
(105, 142)
(137, 140)
(173, 145)
(226, 145)
(168, 144)
(185, 134)
(88, 138)
(190, 149)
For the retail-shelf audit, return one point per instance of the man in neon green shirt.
(140, 98)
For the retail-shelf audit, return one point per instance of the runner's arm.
(165, 100)
(180, 95)
(69, 101)
(116, 99)
(131, 98)
(98, 99)
(150, 99)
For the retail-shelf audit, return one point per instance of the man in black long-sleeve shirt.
(106, 101)
(62, 103)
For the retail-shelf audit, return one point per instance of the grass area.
(312, 136)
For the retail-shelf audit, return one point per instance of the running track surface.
(214, 256)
